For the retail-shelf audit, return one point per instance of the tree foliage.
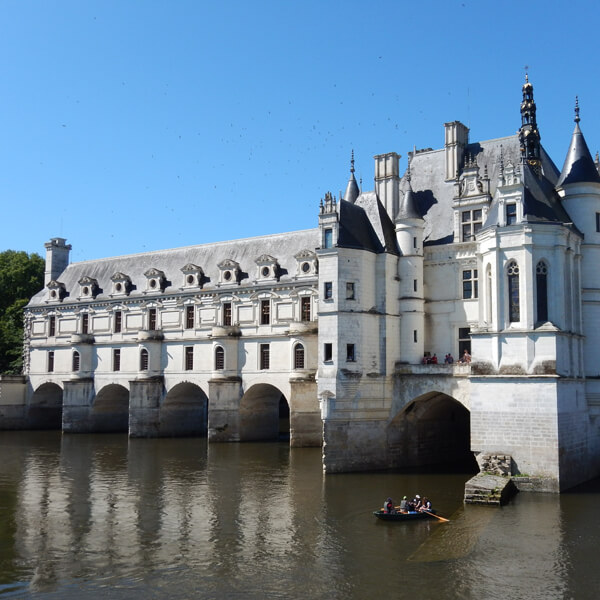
(21, 276)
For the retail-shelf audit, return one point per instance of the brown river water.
(103, 516)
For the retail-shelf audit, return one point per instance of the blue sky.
(132, 125)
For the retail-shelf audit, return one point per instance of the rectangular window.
(598, 222)
(227, 313)
(116, 359)
(305, 308)
(189, 358)
(151, 319)
(265, 356)
(470, 284)
(328, 293)
(328, 238)
(350, 290)
(265, 312)
(414, 242)
(511, 214)
(328, 352)
(464, 341)
(52, 326)
(350, 353)
(189, 317)
(414, 285)
(415, 336)
(118, 322)
(85, 323)
(471, 223)
(50, 361)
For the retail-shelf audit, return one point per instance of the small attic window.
(88, 287)
(192, 275)
(305, 267)
(121, 284)
(155, 280)
(227, 275)
(56, 290)
(268, 268)
(306, 263)
(265, 271)
(229, 271)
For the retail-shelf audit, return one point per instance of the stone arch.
(110, 409)
(45, 407)
(184, 411)
(433, 429)
(264, 414)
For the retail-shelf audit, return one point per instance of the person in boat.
(404, 505)
(425, 505)
(388, 506)
(417, 503)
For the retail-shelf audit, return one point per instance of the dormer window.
(306, 263)
(268, 268)
(229, 272)
(511, 213)
(155, 280)
(56, 290)
(121, 284)
(88, 287)
(192, 276)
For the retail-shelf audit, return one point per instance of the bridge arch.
(184, 411)
(110, 409)
(264, 414)
(433, 429)
(45, 407)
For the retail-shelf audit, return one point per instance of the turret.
(57, 258)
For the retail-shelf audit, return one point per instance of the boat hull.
(398, 516)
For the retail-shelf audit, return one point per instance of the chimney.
(457, 137)
(57, 258)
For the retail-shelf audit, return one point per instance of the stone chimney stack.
(57, 258)
(387, 181)
(457, 137)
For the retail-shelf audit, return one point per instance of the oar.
(436, 516)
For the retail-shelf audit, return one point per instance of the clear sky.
(135, 125)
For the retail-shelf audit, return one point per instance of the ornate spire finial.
(577, 119)
(352, 162)
(408, 171)
(501, 161)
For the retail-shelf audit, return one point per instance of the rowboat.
(400, 516)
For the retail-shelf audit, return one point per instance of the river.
(104, 516)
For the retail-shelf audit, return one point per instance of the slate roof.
(579, 166)
(283, 247)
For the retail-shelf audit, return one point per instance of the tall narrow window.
(151, 319)
(305, 308)
(328, 292)
(189, 317)
(541, 281)
(189, 358)
(85, 323)
(299, 356)
(512, 271)
(265, 312)
(227, 313)
(328, 238)
(415, 336)
(350, 353)
(51, 361)
(265, 356)
(471, 221)
(75, 361)
(464, 340)
(597, 221)
(470, 284)
(118, 322)
(350, 290)
(511, 214)
(488, 294)
(414, 285)
(219, 358)
(328, 352)
(116, 359)
(51, 326)
(143, 359)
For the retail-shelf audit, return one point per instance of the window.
(116, 359)
(52, 326)
(511, 214)
(415, 338)
(265, 312)
(414, 285)
(541, 284)
(471, 224)
(350, 290)
(299, 356)
(118, 322)
(219, 358)
(350, 353)
(143, 359)
(414, 242)
(151, 319)
(597, 221)
(189, 358)
(265, 357)
(305, 308)
(328, 238)
(51, 361)
(85, 323)
(227, 313)
(328, 290)
(75, 361)
(469, 284)
(189, 317)
(512, 272)
(328, 352)
(464, 340)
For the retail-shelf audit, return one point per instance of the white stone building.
(485, 247)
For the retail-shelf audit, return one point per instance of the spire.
(408, 205)
(352, 191)
(529, 136)
(579, 165)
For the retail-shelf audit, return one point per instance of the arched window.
(75, 360)
(512, 272)
(541, 286)
(298, 356)
(219, 358)
(143, 359)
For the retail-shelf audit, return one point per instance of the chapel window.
(512, 272)
(541, 284)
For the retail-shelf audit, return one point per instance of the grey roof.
(434, 196)
(408, 206)
(579, 166)
(282, 246)
(352, 191)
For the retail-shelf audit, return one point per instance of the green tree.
(21, 276)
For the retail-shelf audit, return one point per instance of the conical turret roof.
(352, 191)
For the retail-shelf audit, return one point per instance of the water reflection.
(102, 515)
